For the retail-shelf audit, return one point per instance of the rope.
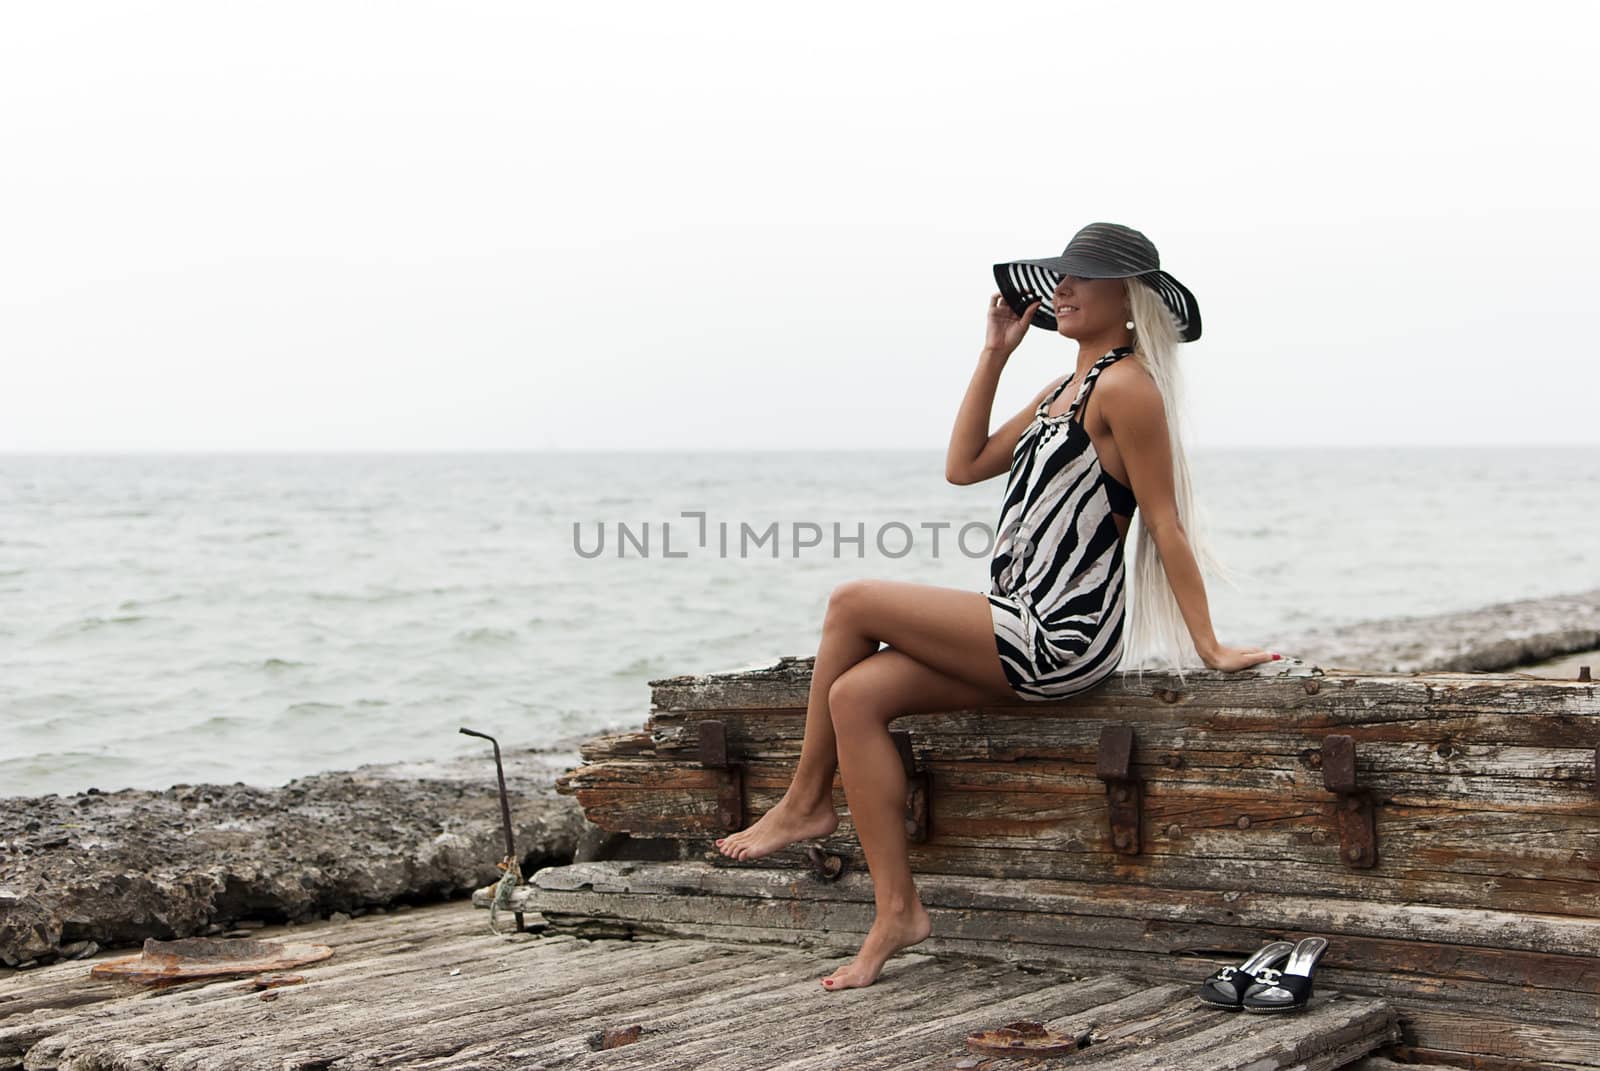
(502, 891)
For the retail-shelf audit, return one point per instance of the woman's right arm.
(975, 454)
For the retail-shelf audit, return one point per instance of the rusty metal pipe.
(505, 804)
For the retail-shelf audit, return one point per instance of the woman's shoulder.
(1127, 384)
(1126, 377)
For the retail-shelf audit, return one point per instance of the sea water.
(179, 618)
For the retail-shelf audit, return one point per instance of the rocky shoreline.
(104, 869)
(1490, 639)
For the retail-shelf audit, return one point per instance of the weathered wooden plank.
(1277, 721)
(1496, 930)
(1551, 780)
(1390, 755)
(799, 1033)
(1328, 1034)
(1039, 917)
(1474, 1024)
(1309, 694)
(617, 745)
(626, 786)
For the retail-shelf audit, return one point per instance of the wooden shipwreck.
(1441, 830)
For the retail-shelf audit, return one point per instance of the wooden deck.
(1441, 830)
(433, 989)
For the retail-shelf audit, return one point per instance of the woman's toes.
(848, 977)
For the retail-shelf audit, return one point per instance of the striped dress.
(1057, 575)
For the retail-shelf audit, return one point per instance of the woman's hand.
(1006, 328)
(1230, 659)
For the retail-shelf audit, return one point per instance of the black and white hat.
(1098, 251)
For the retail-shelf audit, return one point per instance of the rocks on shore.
(112, 868)
(1488, 639)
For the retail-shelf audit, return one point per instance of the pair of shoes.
(1276, 978)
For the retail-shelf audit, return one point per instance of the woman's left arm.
(1132, 406)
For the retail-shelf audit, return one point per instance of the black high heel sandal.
(1226, 987)
(1290, 988)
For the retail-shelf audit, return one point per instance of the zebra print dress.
(1057, 574)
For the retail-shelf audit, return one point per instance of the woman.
(1051, 624)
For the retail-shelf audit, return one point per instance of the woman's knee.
(846, 599)
(852, 702)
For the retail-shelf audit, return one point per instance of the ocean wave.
(94, 623)
(648, 664)
(380, 595)
(312, 707)
(140, 604)
(486, 634)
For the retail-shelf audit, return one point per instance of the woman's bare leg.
(864, 701)
(941, 656)
(806, 810)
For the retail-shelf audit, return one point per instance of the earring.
(1129, 325)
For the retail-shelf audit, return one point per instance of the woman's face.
(1086, 308)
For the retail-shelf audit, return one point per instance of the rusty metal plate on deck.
(1026, 1038)
(193, 958)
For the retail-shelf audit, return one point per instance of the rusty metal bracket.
(1358, 831)
(919, 788)
(825, 864)
(1585, 677)
(730, 786)
(1124, 793)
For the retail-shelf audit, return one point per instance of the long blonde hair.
(1157, 636)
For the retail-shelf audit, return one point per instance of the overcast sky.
(293, 226)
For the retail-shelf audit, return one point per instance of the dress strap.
(1044, 406)
(1094, 373)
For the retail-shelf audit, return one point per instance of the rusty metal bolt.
(1122, 839)
(1354, 853)
(1320, 836)
(1174, 830)
(615, 1036)
(1243, 822)
(1312, 687)
(1174, 760)
(1583, 673)
(1120, 794)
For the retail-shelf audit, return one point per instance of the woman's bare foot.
(890, 933)
(778, 828)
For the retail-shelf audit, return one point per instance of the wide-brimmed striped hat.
(1098, 251)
